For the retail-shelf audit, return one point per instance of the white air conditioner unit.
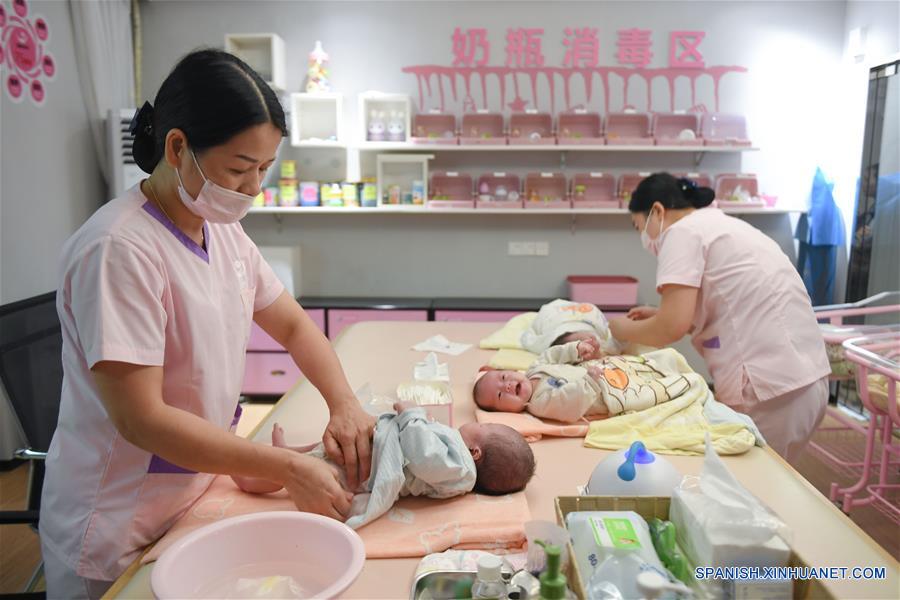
(123, 171)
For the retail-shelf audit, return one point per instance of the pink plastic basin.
(322, 555)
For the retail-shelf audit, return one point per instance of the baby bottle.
(489, 582)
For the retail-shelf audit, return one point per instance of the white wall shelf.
(419, 210)
(316, 120)
(407, 146)
(264, 52)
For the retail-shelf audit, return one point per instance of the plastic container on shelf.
(594, 190)
(309, 193)
(628, 129)
(287, 192)
(482, 128)
(719, 129)
(738, 190)
(434, 128)
(531, 128)
(701, 179)
(451, 190)
(677, 129)
(627, 184)
(603, 290)
(546, 191)
(498, 190)
(580, 128)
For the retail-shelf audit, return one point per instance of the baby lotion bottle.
(489, 582)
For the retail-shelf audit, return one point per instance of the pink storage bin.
(260, 341)
(667, 128)
(603, 290)
(599, 191)
(701, 179)
(434, 128)
(482, 129)
(580, 129)
(546, 191)
(727, 184)
(486, 191)
(627, 184)
(720, 129)
(451, 190)
(628, 129)
(531, 129)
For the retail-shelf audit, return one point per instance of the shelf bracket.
(698, 158)
(563, 156)
(572, 221)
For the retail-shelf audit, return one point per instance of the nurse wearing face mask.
(732, 288)
(156, 294)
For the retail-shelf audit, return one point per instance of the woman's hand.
(348, 441)
(315, 487)
(639, 313)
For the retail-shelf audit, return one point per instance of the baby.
(566, 385)
(563, 321)
(415, 457)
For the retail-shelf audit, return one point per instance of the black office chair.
(31, 376)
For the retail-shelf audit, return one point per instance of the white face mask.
(214, 203)
(652, 245)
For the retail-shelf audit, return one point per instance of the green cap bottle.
(553, 583)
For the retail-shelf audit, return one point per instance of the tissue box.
(650, 507)
(434, 396)
(686, 512)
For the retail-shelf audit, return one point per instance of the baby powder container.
(309, 193)
(287, 190)
(633, 472)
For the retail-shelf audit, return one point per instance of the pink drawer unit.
(628, 129)
(451, 190)
(476, 316)
(434, 128)
(603, 290)
(260, 341)
(482, 129)
(269, 374)
(546, 190)
(594, 190)
(580, 128)
(341, 318)
(674, 129)
(720, 129)
(531, 128)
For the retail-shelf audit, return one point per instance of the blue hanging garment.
(821, 232)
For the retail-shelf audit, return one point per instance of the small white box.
(393, 110)
(264, 52)
(316, 119)
(401, 170)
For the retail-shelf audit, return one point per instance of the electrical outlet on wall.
(542, 248)
(516, 249)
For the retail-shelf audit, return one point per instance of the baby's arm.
(560, 355)
(435, 454)
(566, 403)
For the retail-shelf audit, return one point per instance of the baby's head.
(575, 336)
(503, 458)
(501, 390)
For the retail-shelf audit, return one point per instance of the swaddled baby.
(562, 321)
(414, 457)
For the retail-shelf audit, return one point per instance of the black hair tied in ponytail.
(670, 192)
(143, 148)
(211, 96)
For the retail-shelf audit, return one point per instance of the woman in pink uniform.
(732, 288)
(156, 294)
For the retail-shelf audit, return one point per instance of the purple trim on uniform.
(187, 242)
(712, 343)
(237, 416)
(161, 465)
